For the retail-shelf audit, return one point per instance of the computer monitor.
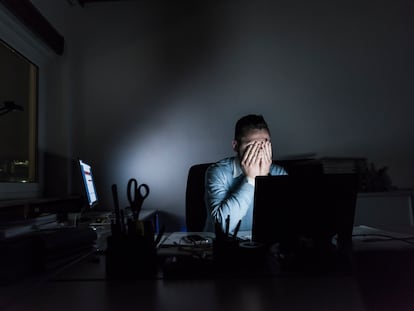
(318, 207)
(88, 184)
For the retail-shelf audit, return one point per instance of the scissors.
(136, 195)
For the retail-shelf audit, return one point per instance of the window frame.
(16, 35)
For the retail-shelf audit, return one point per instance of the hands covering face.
(257, 159)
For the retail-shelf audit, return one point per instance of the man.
(229, 183)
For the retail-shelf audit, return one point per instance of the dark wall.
(154, 87)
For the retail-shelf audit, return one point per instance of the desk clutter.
(135, 252)
(232, 256)
(192, 255)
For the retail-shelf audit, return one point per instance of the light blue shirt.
(228, 192)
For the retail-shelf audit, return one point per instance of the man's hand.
(250, 163)
(266, 158)
(257, 159)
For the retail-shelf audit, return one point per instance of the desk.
(385, 269)
(72, 291)
(380, 282)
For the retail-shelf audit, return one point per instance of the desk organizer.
(131, 256)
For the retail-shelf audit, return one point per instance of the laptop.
(306, 212)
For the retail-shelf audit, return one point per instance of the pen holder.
(130, 257)
(225, 254)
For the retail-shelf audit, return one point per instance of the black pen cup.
(225, 255)
(131, 256)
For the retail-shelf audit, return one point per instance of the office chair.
(195, 209)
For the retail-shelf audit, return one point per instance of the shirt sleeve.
(224, 197)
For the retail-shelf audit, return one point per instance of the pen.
(227, 225)
(218, 230)
(236, 230)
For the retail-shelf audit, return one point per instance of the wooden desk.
(382, 281)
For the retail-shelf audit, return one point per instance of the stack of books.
(343, 165)
(338, 165)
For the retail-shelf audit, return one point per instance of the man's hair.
(249, 122)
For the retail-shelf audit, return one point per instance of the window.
(18, 117)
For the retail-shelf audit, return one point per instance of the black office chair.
(195, 209)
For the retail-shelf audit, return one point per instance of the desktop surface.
(384, 282)
(244, 294)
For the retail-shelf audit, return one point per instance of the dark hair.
(249, 122)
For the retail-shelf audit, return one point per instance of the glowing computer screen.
(88, 183)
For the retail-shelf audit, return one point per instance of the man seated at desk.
(230, 182)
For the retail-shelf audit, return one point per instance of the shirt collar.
(237, 171)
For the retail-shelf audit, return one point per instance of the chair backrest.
(195, 209)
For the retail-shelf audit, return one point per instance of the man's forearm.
(234, 204)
